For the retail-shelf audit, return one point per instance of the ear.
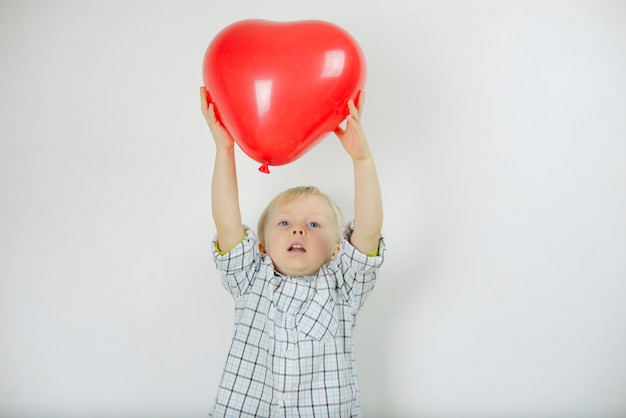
(262, 248)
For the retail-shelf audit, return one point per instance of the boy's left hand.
(353, 137)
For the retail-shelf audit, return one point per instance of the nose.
(297, 231)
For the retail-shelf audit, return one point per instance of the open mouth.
(297, 248)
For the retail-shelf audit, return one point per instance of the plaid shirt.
(292, 353)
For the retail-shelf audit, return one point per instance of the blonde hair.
(290, 195)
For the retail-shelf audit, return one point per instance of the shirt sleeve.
(358, 271)
(238, 266)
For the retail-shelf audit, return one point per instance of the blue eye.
(314, 225)
(283, 223)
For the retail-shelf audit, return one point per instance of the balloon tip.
(264, 168)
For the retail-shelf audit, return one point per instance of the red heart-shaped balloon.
(280, 87)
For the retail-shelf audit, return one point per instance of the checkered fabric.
(292, 352)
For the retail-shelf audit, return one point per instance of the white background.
(499, 129)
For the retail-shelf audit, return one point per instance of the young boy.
(297, 291)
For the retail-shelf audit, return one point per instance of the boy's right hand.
(220, 134)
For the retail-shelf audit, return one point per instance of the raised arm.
(224, 190)
(368, 205)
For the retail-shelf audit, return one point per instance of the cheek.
(329, 245)
(269, 240)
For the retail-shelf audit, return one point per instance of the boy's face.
(300, 236)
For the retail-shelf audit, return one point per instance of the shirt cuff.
(220, 252)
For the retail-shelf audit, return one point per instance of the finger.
(360, 102)
(203, 99)
(354, 112)
(211, 111)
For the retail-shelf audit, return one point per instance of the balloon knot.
(264, 168)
